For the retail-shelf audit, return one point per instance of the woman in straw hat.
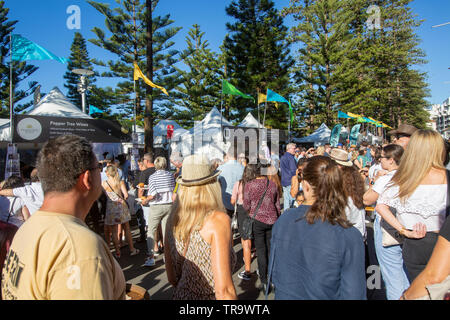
(199, 256)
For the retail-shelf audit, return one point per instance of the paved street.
(154, 279)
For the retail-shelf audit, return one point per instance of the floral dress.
(116, 210)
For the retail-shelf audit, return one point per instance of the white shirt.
(32, 196)
(356, 216)
(427, 205)
(374, 169)
(16, 217)
(381, 183)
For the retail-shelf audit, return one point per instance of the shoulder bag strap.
(260, 200)
(114, 191)
(447, 208)
(11, 210)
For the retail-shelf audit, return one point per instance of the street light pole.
(82, 86)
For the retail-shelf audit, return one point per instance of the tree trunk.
(148, 117)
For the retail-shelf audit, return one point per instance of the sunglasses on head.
(402, 135)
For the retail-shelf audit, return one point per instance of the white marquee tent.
(318, 137)
(250, 122)
(206, 135)
(56, 104)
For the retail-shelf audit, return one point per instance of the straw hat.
(341, 157)
(196, 170)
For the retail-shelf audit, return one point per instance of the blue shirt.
(317, 261)
(288, 167)
(231, 172)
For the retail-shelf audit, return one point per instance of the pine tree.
(79, 59)
(138, 36)
(324, 36)
(257, 58)
(21, 70)
(342, 64)
(201, 84)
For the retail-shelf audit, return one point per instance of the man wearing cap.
(402, 134)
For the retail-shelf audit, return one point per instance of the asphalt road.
(154, 279)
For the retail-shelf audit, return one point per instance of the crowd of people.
(303, 215)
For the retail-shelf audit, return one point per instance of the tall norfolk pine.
(128, 25)
(200, 88)
(257, 57)
(21, 70)
(343, 65)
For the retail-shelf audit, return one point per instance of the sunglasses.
(402, 135)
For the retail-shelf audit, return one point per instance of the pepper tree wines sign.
(38, 129)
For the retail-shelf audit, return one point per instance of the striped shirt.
(160, 186)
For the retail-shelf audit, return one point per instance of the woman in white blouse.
(418, 191)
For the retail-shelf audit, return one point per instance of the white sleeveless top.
(426, 205)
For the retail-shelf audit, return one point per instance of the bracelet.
(403, 297)
(403, 231)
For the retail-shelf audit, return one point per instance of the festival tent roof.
(160, 130)
(250, 122)
(320, 136)
(209, 135)
(55, 104)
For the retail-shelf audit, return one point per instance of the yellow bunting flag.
(138, 74)
(262, 98)
(353, 115)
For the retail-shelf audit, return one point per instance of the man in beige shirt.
(54, 255)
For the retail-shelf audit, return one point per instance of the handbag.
(247, 224)
(390, 235)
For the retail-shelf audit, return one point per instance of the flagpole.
(265, 107)
(11, 99)
(135, 102)
(221, 116)
(257, 107)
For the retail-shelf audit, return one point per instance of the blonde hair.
(114, 182)
(160, 163)
(426, 150)
(193, 205)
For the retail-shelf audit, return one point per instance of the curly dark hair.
(13, 182)
(325, 177)
(353, 185)
(62, 160)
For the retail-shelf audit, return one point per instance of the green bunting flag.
(291, 112)
(228, 88)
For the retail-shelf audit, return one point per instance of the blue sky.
(44, 22)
